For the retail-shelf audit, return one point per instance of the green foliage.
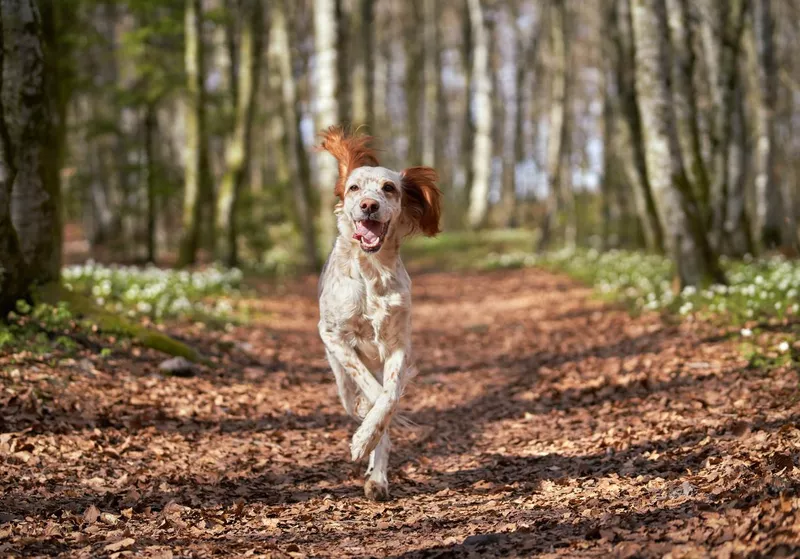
(759, 290)
(154, 292)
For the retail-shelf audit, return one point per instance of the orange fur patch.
(422, 199)
(351, 151)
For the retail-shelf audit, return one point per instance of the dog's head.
(375, 203)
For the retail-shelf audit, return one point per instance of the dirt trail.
(549, 424)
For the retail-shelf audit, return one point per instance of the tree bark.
(482, 144)
(729, 19)
(238, 150)
(560, 200)
(634, 154)
(35, 204)
(695, 262)
(302, 191)
(431, 72)
(362, 61)
(682, 23)
(196, 177)
(769, 212)
(327, 113)
(13, 273)
(150, 125)
(736, 238)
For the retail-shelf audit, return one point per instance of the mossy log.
(107, 321)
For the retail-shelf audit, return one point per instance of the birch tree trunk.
(327, 107)
(35, 205)
(302, 191)
(414, 77)
(634, 149)
(150, 125)
(363, 66)
(196, 151)
(558, 139)
(431, 72)
(682, 25)
(695, 262)
(736, 239)
(13, 273)
(769, 212)
(728, 18)
(482, 144)
(238, 150)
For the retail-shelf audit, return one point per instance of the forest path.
(548, 424)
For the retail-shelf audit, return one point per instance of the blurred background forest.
(178, 132)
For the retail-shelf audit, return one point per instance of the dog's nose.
(369, 206)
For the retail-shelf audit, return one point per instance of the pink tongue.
(368, 231)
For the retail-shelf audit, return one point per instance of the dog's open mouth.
(370, 234)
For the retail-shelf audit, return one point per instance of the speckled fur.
(365, 312)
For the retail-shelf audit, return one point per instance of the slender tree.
(560, 202)
(327, 107)
(686, 238)
(196, 181)
(238, 151)
(633, 150)
(769, 202)
(482, 144)
(302, 192)
(35, 206)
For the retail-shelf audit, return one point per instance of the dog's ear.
(350, 150)
(422, 199)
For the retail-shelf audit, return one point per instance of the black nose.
(369, 206)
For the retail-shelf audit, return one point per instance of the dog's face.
(376, 203)
(372, 205)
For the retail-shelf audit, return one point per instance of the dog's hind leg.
(376, 487)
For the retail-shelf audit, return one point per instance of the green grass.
(464, 250)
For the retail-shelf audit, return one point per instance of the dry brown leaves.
(548, 425)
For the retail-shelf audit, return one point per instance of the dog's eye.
(389, 187)
(353, 188)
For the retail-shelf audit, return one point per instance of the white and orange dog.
(365, 291)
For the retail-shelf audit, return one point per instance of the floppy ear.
(351, 151)
(422, 199)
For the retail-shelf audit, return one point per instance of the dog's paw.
(364, 441)
(375, 491)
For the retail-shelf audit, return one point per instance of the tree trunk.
(362, 61)
(150, 125)
(686, 240)
(238, 150)
(196, 178)
(736, 239)
(13, 276)
(682, 23)
(327, 113)
(482, 145)
(729, 18)
(35, 197)
(634, 154)
(468, 123)
(431, 71)
(414, 61)
(560, 202)
(302, 192)
(769, 212)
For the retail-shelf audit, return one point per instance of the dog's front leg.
(377, 420)
(352, 366)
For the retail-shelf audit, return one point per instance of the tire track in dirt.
(548, 423)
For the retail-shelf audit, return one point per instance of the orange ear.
(350, 151)
(422, 199)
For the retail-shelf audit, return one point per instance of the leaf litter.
(545, 423)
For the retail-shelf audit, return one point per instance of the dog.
(365, 291)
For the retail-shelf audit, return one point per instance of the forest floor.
(548, 424)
